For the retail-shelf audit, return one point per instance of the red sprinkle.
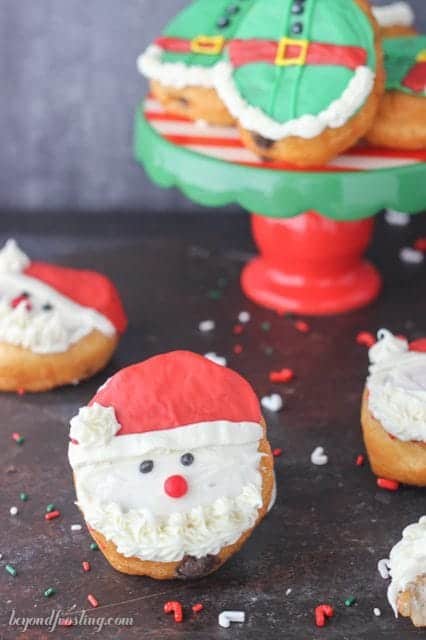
(197, 607)
(238, 329)
(390, 485)
(277, 452)
(16, 436)
(86, 565)
(360, 460)
(238, 349)
(322, 612)
(21, 391)
(302, 326)
(285, 375)
(52, 515)
(91, 598)
(420, 244)
(366, 339)
(175, 608)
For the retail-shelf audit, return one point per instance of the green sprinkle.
(265, 326)
(50, 591)
(23, 496)
(214, 294)
(94, 546)
(50, 507)
(20, 440)
(350, 601)
(11, 570)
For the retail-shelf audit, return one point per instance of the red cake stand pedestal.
(312, 227)
(310, 264)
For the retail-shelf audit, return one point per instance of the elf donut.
(401, 119)
(407, 568)
(395, 19)
(394, 410)
(171, 466)
(180, 64)
(57, 325)
(303, 78)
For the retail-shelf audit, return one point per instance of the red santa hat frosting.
(87, 288)
(178, 400)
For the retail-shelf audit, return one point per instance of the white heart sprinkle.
(274, 402)
(318, 457)
(226, 617)
(377, 612)
(397, 218)
(410, 255)
(206, 325)
(383, 568)
(215, 358)
(244, 317)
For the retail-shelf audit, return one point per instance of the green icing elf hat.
(297, 67)
(193, 43)
(405, 63)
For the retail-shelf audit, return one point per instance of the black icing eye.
(187, 459)
(146, 466)
(47, 307)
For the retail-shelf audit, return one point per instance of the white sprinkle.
(1, 556)
(318, 457)
(13, 511)
(206, 325)
(215, 358)
(274, 402)
(383, 568)
(244, 317)
(397, 218)
(377, 612)
(226, 617)
(287, 593)
(76, 527)
(410, 255)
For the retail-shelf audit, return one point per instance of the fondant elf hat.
(297, 67)
(178, 400)
(405, 63)
(193, 43)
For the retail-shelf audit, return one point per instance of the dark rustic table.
(330, 524)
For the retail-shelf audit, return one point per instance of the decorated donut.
(180, 64)
(303, 78)
(57, 325)
(171, 466)
(401, 120)
(407, 567)
(395, 19)
(394, 410)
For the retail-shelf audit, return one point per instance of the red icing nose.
(176, 486)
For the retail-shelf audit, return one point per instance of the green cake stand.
(312, 227)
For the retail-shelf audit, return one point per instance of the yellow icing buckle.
(299, 60)
(421, 56)
(209, 45)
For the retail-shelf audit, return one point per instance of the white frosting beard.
(173, 74)
(132, 510)
(397, 388)
(395, 14)
(407, 560)
(41, 331)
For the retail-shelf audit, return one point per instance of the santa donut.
(394, 409)
(171, 466)
(57, 325)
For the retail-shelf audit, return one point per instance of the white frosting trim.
(203, 434)
(397, 388)
(407, 560)
(308, 126)
(201, 531)
(395, 14)
(12, 259)
(173, 74)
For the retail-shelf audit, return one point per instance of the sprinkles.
(175, 608)
(389, 485)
